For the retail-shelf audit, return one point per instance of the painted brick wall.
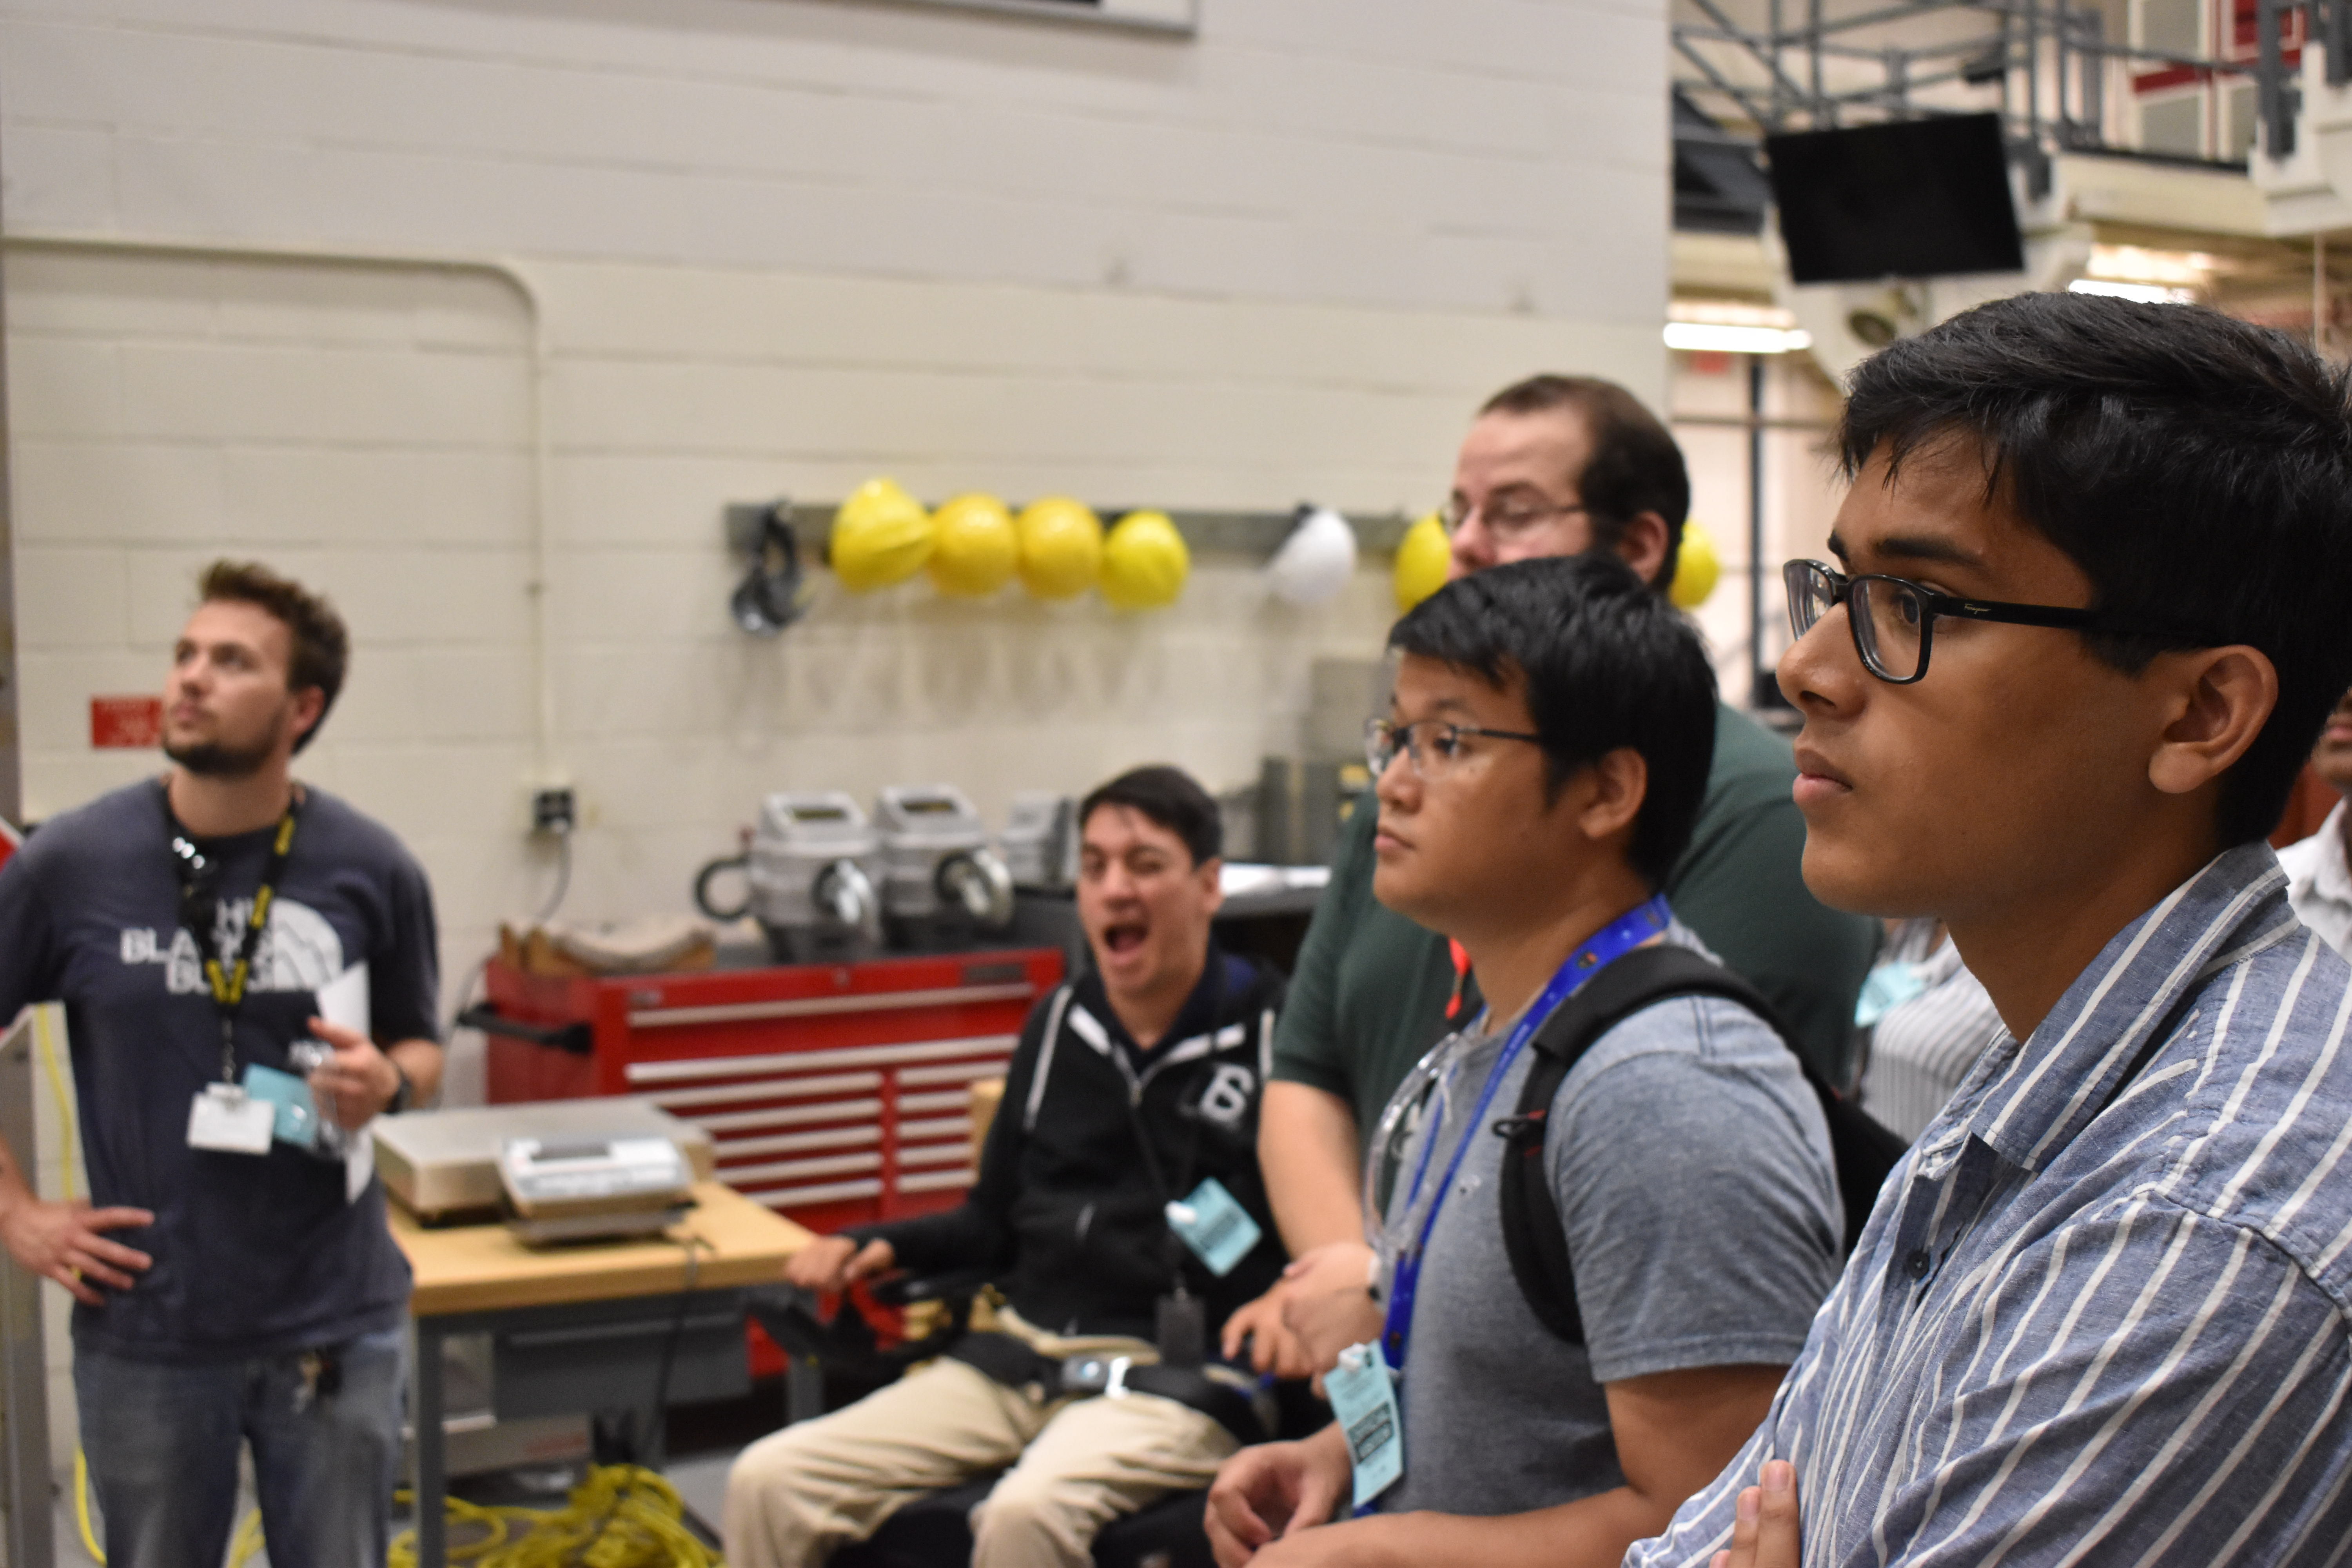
(766, 247)
(1456, 154)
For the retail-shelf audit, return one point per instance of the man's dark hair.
(1604, 662)
(2197, 468)
(321, 646)
(1634, 465)
(1170, 797)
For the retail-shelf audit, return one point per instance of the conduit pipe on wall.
(509, 274)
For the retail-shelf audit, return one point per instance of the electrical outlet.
(554, 810)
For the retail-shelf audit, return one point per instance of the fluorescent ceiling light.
(1706, 337)
(2140, 264)
(1730, 313)
(2146, 293)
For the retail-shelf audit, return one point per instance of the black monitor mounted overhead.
(1910, 198)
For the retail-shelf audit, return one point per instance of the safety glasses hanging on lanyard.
(226, 975)
(1613, 941)
(1362, 1393)
(1363, 1388)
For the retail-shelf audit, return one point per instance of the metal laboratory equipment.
(942, 885)
(811, 867)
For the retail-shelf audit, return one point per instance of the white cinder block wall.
(673, 253)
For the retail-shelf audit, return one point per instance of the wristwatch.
(404, 1096)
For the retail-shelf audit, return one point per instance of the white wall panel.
(776, 246)
(833, 137)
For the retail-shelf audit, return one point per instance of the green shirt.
(1372, 988)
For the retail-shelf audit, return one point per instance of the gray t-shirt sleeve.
(1699, 1193)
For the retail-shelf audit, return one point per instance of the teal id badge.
(1887, 987)
(1363, 1397)
(298, 1112)
(1212, 1223)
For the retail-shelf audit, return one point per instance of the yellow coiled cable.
(619, 1516)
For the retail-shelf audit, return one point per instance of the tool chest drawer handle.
(819, 1007)
(577, 1038)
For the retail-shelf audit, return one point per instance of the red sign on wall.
(126, 724)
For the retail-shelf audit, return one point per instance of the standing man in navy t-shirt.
(235, 1280)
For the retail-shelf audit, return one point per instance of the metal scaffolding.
(2050, 59)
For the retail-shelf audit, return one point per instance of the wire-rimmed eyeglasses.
(1893, 619)
(1430, 745)
(1511, 518)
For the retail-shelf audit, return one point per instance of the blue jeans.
(162, 1441)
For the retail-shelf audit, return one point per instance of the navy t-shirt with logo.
(254, 1253)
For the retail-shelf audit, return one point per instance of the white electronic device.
(581, 1188)
(941, 880)
(814, 861)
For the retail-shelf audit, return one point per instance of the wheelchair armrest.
(790, 1315)
(901, 1288)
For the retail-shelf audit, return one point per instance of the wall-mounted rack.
(1256, 534)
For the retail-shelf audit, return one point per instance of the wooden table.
(477, 1278)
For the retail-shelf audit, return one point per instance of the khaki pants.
(796, 1495)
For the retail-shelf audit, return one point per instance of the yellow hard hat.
(881, 535)
(1144, 562)
(1061, 547)
(1423, 556)
(1697, 568)
(973, 547)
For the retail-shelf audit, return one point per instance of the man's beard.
(215, 760)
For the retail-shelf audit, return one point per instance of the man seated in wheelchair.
(1118, 1211)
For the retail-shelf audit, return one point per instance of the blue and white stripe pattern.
(2119, 1335)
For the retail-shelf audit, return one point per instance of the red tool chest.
(835, 1093)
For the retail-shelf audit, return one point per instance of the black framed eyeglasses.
(1430, 745)
(1893, 619)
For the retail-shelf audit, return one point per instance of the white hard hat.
(1315, 561)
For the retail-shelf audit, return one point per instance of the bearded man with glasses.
(1553, 465)
(2085, 623)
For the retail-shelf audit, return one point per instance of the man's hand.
(1275, 1490)
(834, 1263)
(1273, 1348)
(61, 1242)
(1764, 1532)
(1326, 1304)
(355, 1084)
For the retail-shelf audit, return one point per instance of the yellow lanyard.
(227, 980)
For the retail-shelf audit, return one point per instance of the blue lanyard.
(1613, 941)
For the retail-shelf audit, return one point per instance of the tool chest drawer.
(836, 1094)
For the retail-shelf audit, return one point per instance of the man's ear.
(1643, 544)
(1211, 873)
(309, 706)
(1613, 787)
(2220, 699)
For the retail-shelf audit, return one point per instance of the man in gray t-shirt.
(1541, 769)
(1693, 1174)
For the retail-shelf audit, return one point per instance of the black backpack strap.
(1863, 1150)
(1533, 1235)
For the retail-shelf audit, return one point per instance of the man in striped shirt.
(2099, 1313)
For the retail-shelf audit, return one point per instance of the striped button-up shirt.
(2092, 1326)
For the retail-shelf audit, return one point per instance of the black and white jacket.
(1069, 1207)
